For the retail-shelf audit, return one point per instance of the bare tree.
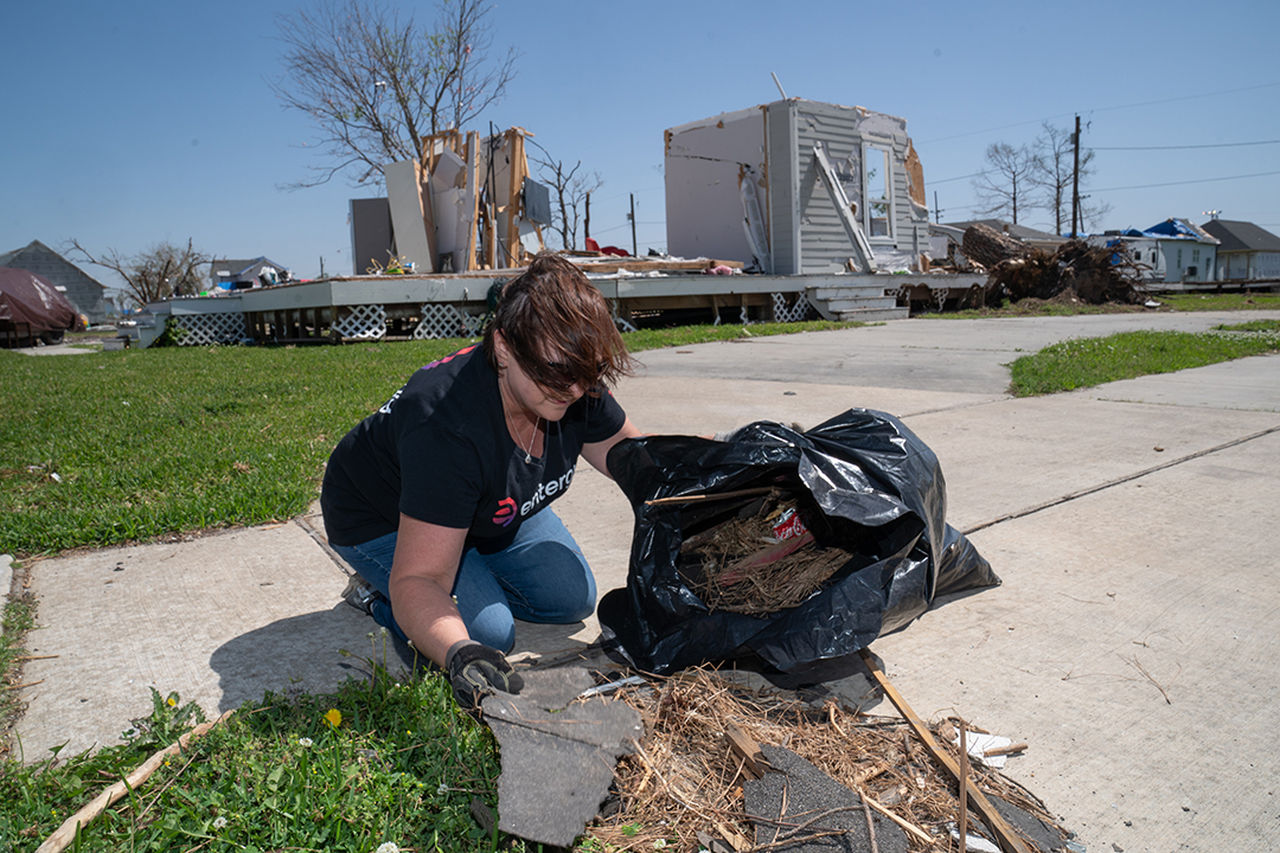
(569, 191)
(161, 272)
(375, 83)
(1002, 187)
(1053, 161)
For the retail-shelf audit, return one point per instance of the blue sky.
(134, 122)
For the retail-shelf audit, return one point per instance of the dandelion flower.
(388, 847)
(333, 717)
(172, 701)
(304, 741)
(219, 822)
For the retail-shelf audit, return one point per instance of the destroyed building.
(797, 187)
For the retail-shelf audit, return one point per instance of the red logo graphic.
(506, 512)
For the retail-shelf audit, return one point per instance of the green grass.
(1250, 326)
(402, 766)
(1085, 362)
(1220, 301)
(19, 614)
(124, 446)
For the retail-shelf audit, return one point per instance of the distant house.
(1141, 247)
(85, 293)
(1189, 252)
(228, 275)
(1246, 252)
(797, 187)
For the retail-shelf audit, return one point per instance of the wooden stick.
(712, 496)
(24, 684)
(1007, 840)
(871, 827)
(1004, 750)
(964, 788)
(66, 833)
(35, 657)
(902, 822)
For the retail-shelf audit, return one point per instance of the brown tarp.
(28, 298)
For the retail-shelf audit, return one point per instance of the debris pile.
(1092, 274)
(689, 783)
(759, 561)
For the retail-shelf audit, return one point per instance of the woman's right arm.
(422, 576)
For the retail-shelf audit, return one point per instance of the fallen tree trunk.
(988, 246)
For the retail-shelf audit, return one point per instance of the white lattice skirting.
(445, 321)
(797, 312)
(363, 323)
(206, 329)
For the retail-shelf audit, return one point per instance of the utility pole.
(1075, 181)
(937, 211)
(632, 217)
(586, 222)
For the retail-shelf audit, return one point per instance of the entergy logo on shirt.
(506, 510)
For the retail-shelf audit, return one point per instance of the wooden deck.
(393, 307)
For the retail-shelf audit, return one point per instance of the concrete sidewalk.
(1131, 643)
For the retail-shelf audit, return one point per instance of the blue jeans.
(540, 577)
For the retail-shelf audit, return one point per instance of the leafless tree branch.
(569, 190)
(374, 82)
(161, 272)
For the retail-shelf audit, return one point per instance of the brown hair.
(558, 325)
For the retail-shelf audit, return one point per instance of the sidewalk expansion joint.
(1023, 513)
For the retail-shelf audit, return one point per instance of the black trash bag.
(870, 487)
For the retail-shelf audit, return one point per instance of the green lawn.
(1085, 362)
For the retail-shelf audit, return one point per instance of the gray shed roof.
(1238, 236)
(1018, 232)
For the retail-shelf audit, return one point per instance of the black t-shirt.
(439, 451)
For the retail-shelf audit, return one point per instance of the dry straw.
(684, 783)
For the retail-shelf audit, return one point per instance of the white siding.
(703, 164)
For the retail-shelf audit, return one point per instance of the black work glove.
(476, 670)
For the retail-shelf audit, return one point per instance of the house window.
(877, 214)
(1179, 263)
(1195, 256)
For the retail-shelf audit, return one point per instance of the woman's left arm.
(598, 451)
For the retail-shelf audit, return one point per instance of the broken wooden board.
(615, 264)
(1006, 838)
(557, 755)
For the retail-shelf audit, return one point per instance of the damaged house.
(797, 187)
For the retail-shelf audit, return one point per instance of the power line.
(1181, 183)
(960, 178)
(1103, 110)
(1182, 147)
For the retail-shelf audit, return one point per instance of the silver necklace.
(528, 451)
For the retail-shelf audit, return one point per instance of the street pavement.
(1131, 644)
